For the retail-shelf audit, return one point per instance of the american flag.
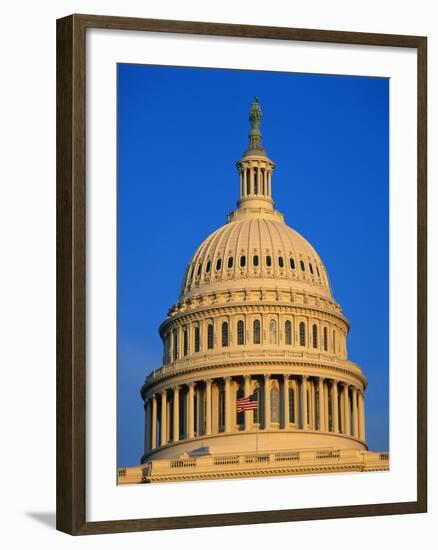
(246, 404)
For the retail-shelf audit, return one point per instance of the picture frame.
(72, 269)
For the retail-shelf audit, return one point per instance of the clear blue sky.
(180, 132)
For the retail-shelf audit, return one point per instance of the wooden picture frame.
(71, 273)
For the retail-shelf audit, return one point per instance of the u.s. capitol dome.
(255, 319)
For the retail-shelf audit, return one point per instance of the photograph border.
(71, 273)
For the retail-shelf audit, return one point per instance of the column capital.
(208, 380)
(304, 377)
(192, 384)
(163, 392)
(247, 377)
(267, 376)
(286, 377)
(227, 378)
(176, 388)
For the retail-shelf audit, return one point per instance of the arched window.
(268, 261)
(288, 333)
(199, 269)
(218, 264)
(224, 334)
(185, 341)
(240, 333)
(275, 403)
(334, 342)
(230, 262)
(311, 268)
(263, 174)
(255, 260)
(207, 267)
(325, 339)
(291, 405)
(315, 336)
(272, 331)
(302, 334)
(248, 181)
(210, 336)
(317, 270)
(242, 261)
(280, 261)
(197, 339)
(303, 268)
(256, 182)
(175, 345)
(256, 332)
(292, 263)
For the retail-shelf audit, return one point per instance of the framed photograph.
(241, 274)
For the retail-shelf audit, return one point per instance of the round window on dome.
(207, 267)
(218, 264)
(280, 261)
(292, 263)
(268, 261)
(199, 269)
(255, 260)
(303, 267)
(230, 262)
(242, 261)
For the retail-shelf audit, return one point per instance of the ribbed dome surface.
(260, 251)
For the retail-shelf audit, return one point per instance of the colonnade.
(255, 181)
(285, 402)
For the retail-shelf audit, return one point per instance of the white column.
(208, 407)
(326, 407)
(304, 402)
(267, 402)
(191, 411)
(335, 408)
(321, 406)
(247, 414)
(361, 416)
(347, 427)
(312, 405)
(355, 430)
(227, 404)
(163, 423)
(154, 422)
(286, 418)
(176, 413)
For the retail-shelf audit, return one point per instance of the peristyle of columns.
(316, 400)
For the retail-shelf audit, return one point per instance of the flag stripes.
(246, 404)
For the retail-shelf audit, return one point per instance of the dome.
(255, 320)
(255, 250)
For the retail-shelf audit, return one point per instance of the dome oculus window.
(224, 334)
(230, 262)
(242, 261)
(256, 332)
(240, 333)
(268, 261)
(210, 337)
(302, 334)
